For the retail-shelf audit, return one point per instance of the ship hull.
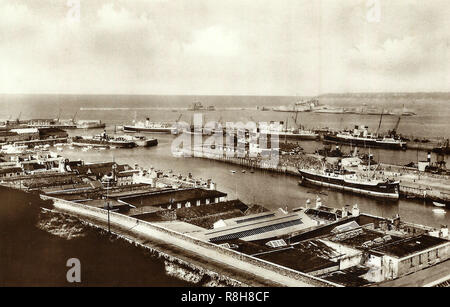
(147, 129)
(91, 126)
(146, 143)
(293, 136)
(364, 143)
(95, 143)
(442, 150)
(381, 190)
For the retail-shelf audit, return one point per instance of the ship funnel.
(147, 121)
(429, 157)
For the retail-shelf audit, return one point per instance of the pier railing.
(127, 221)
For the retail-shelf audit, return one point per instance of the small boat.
(438, 204)
(439, 211)
(233, 172)
(243, 171)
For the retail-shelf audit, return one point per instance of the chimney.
(355, 210)
(444, 232)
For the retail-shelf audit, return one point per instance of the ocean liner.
(150, 127)
(349, 181)
(361, 137)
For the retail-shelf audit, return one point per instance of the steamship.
(348, 181)
(361, 137)
(150, 127)
(102, 140)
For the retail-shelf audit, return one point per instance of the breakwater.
(236, 266)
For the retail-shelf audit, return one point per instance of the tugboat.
(103, 140)
(341, 179)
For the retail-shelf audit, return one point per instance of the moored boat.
(150, 127)
(349, 181)
(361, 137)
(437, 204)
(102, 140)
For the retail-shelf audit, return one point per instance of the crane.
(379, 125)
(74, 116)
(179, 117)
(393, 132)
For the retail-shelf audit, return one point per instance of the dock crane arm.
(379, 125)
(74, 116)
(394, 131)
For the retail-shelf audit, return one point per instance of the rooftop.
(403, 248)
(158, 198)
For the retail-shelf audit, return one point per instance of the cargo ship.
(103, 140)
(150, 127)
(361, 137)
(349, 181)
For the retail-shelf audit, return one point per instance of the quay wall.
(245, 263)
(407, 190)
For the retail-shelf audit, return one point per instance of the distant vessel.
(150, 127)
(140, 140)
(438, 204)
(360, 137)
(443, 149)
(288, 133)
(90, 124)
(102, 140)
(198, 106)
(439, 211)
(328, 109)
(263, 108)
(348, 181)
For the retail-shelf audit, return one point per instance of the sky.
(216, 47)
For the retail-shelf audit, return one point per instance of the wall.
(423, 260)
(149, 228)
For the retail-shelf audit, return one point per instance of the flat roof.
(403, 248)
(171, 196)
(278, 225)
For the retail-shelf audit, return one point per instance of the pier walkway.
(234, 265)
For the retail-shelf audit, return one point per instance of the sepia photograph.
(207, 146)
